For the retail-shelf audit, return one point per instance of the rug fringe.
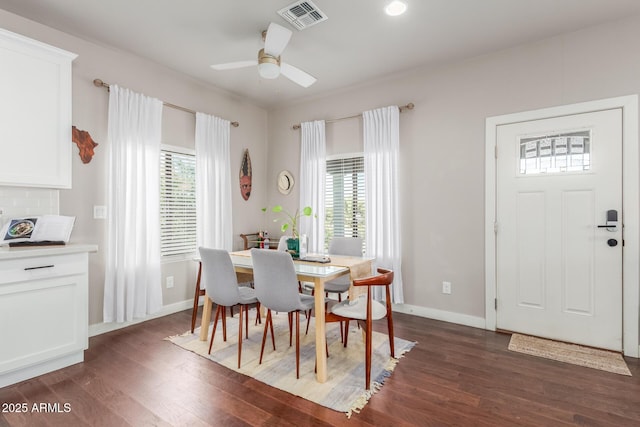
(376, 384)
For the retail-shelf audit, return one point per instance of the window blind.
(177, 203)
(344, 198)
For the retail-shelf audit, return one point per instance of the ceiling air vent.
(302, 14)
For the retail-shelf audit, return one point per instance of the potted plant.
(290, 222)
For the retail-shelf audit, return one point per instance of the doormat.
(570, 353)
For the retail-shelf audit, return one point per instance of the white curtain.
(381, 152)
(132, 285)
(213, 182)
(313, 168)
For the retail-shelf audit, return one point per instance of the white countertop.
(33, 251)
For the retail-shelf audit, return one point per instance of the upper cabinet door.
(35, 113)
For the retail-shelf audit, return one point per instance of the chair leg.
(391, 344)
(240, 334)
(194, 313)
(245, 308)
(264, 334)
(215, 324)
(341, 333)
(346, 332)
(273, 337)
(308, 313)
(297, 344)
(390, 323)
(290, 315)
(367, 363)
(224, 323)
(196, 299)
(258, 317)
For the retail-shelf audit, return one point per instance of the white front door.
(558, 270)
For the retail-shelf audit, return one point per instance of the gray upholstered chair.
(276, 285)
(220, 281)
(348, 246)
(282, 243)
(365, 310)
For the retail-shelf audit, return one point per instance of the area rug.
(344, 389)
(570, 353)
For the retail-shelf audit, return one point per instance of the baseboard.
(103, 328)
(445, 316)
(429, 313)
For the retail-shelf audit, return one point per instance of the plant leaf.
(306, 211)
(284, 227)
(277, 208)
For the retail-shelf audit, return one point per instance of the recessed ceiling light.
(395, 8)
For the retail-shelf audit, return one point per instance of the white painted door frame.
(630, 207)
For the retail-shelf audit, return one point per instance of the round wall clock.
(285, 182)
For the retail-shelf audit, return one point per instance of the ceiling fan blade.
(296, 75)
(234, 65)
(276, 39)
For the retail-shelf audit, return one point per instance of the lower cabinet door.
(41, 320)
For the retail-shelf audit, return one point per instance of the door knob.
(612, 242)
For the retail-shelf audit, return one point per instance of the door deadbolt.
(612, 242)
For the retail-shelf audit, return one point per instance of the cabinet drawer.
(36, 268)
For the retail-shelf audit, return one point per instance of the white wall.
(90, 107)
(442, 145)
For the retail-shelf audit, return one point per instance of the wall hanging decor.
(285, 182)
(245, 175)
(85, 143)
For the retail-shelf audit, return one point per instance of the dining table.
(313, 272)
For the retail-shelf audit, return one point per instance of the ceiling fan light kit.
(276, 38)
(268, 66)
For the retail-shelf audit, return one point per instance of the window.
(567, 152)
(177, 201)
(344, 198)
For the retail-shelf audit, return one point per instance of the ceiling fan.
(269, 64)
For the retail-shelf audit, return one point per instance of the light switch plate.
(99, 212)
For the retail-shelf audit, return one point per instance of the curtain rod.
(409, 106)
(100, 83)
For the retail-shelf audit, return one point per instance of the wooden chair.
(249, 240)
(365, 310)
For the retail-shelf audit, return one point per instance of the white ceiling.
(357, 43)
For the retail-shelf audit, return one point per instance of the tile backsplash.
(23, 201)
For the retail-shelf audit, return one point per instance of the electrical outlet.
(169, 282)
(446, 287)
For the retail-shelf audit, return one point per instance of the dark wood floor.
(456, 375)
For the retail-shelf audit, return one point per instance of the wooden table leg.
(321, 338)
(206, 318)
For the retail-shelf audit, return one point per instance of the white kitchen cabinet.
(35, 113)
(43, 310)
